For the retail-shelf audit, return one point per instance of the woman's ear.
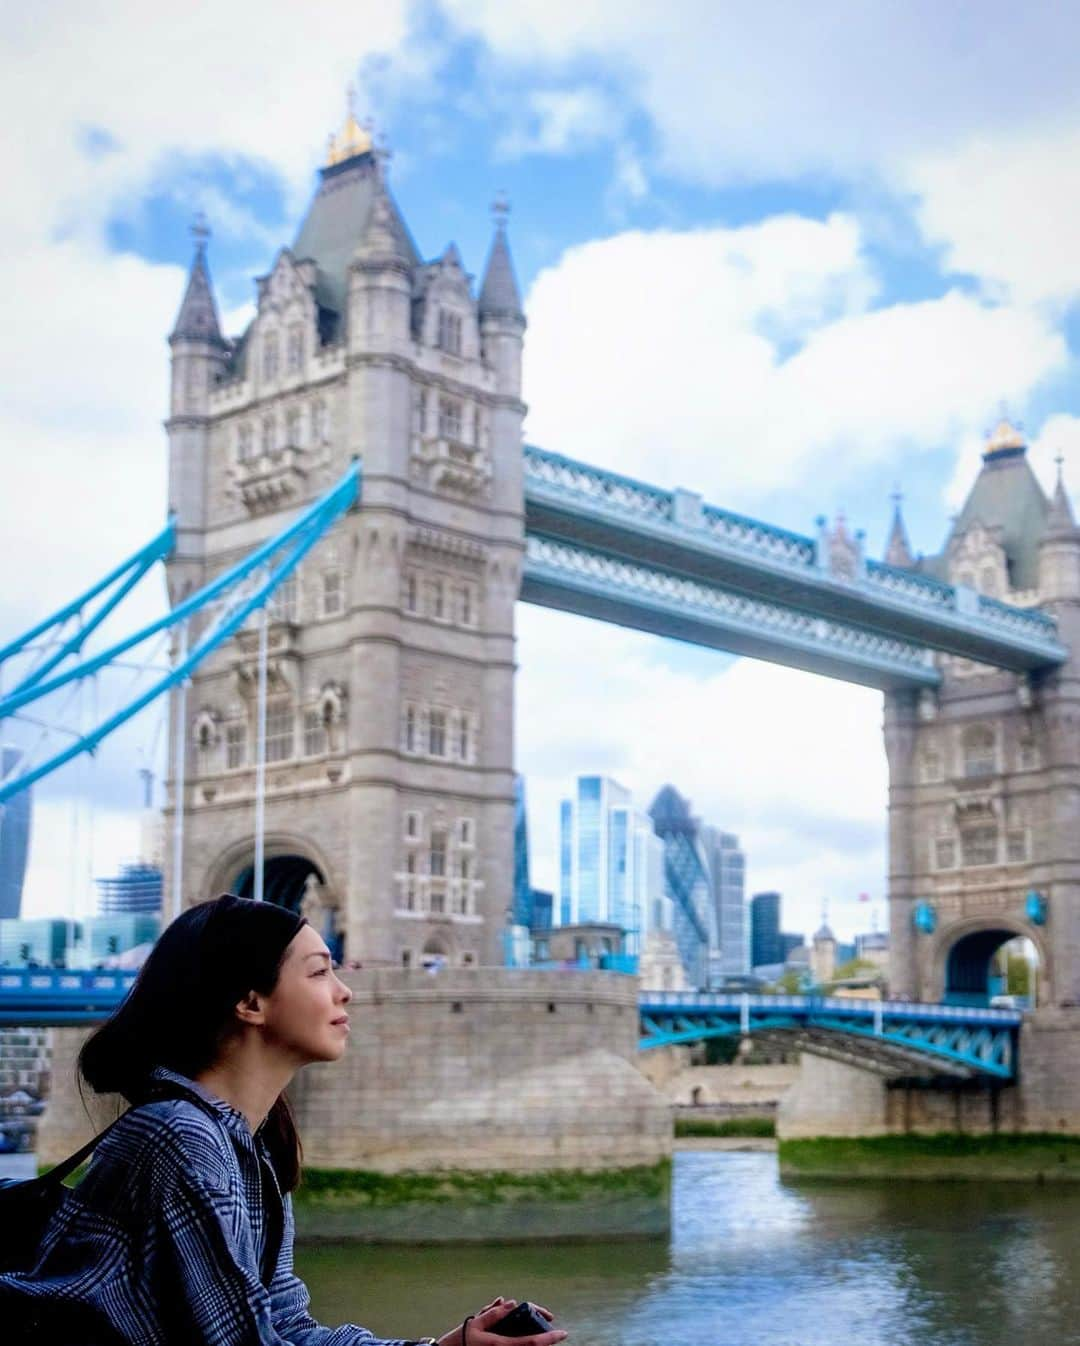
(250, 1009)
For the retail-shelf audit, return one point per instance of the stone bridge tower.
(984, 798)
(389, 800)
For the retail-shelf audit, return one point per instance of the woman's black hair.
(181, 1009)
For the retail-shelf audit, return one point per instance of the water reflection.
(755, 1262)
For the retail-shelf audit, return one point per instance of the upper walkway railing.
(576, 503)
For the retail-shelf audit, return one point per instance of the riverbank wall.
(832, 1102)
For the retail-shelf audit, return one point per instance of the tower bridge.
(382, 684)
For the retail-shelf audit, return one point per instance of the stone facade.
(391, 655)
(462, 1069)
(984, 775)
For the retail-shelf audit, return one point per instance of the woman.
(182, 1231)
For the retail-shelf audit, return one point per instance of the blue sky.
(790, 257)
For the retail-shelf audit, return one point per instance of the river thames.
(752, 1261)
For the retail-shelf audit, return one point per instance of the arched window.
(270, 355)
(980, 751)
(437, 733)
(448, 336)
(296, 348)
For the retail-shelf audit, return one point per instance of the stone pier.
(469, 1068)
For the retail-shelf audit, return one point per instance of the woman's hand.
(479, 1335)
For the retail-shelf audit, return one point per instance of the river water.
(752, 1261)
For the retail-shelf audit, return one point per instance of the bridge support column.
(829, 1098)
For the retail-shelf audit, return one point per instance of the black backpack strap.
(62, 1171)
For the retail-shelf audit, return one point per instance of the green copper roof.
(1007, 498)
(335, 223)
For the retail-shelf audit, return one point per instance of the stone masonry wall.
(469, 1068)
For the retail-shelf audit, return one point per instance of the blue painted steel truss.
(892, 1038)
(222, 605)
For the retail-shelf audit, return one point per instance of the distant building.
(766, 948)
(687, 883)
(874, 948)
(591, 944)
(37, 942)
(727, 868)
(137, 889)
(543, 909)
(610, 861)
(106, 940)
(14, 840)
(823, 955)
(522, 905)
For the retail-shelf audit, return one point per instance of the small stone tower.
(984, 802)
(389, 802)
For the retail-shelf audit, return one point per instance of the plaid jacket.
(160, 1245)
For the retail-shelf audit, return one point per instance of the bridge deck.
(675, 532)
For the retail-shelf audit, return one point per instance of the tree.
(1018, 975)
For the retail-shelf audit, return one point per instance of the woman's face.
(305, 1013)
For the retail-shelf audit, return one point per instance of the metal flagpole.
(260, 759)
(180, 756)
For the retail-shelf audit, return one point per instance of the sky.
(792, 257)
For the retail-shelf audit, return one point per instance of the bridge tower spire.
(898, 549)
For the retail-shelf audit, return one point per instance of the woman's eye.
(321, 972)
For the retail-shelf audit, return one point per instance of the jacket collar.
(232, 1118)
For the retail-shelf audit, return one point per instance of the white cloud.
(1005, 210)
(850, 87)
(728, 360)
(557, 121)
(792, 763)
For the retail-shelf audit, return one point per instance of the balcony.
(271, 479)
(451, 465)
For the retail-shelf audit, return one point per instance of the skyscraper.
(766, 944)
(522, 906)
(14, 840)
(727, 867)
(135, 890)
(610, 859)
(688, 882)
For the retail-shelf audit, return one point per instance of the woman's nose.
(344, 992)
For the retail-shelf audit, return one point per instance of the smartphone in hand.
(522, 1321)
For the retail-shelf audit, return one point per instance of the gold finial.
(1006, 438)
(353, 138)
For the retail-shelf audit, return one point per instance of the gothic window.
(436, 598)
(284, 602)
(420, 410)
(466, 832)
(411, 894)
(461, 729)
(332, 596)
(412, 825)
(295, 357)
(279, 731)
(319, 423)
(270, 355)
(437, 733)
(409, 732)
(437, 854)
(933, 769)
(944, 853)
(1016, 845)
(449, 418)
(465, 605)
(409, 591)
(314, 734)
(244, 443)
(979, 747)
(292, 428)
(979, 844)
(448, 337)
(463, 865)
(235, 745)
(269, 437)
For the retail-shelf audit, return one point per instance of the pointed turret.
(1060, 521)
(499, 293)
(198, 316)
(1059, 550)
(898, 549)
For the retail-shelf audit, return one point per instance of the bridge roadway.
(891, 1038)
(603, 545)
